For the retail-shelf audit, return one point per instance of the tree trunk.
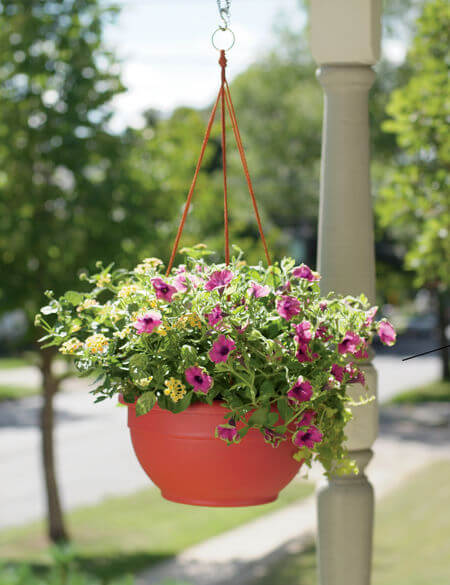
(443, 309)
(55, 520)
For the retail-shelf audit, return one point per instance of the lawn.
(8, 363)
(412, 537)
(127, 534)
(433, 392)
(8, 392)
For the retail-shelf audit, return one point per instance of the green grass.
(412, 537)
(433, 392)
(127, 534)
(15, 392)
(9, 363)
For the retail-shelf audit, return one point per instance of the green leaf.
(284, 409)
(73, 297)
(145, 403)
(259, 417)
(266, 387)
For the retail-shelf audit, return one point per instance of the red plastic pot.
(181, 455)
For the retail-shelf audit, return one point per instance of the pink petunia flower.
(322, 333)
(350, 343)
(215, 316)
(323, 305)
(301, 391)
(148, 322)
(258, 290)
(308, 438)
(288, 307)
(221, 349)
(338, 372)
(386, 332)
(303, 331)
(219, 279)
(198, 378)
(305, 272)
(303, 353)
(370, 315)
(227, 433)
(163, 290)
(272, 437)
(362, 352)
(356, 376)
(307, 418)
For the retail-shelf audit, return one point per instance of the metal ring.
(222, 29)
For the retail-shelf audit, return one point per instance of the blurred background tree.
(414, 207)
(68, 195)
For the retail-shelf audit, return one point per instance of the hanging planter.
(234, 375)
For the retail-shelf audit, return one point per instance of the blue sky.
(167, 55)
(168, 60)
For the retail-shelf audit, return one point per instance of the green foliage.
(67, 189)
(415, 203)
(214, 332)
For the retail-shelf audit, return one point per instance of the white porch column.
(345, 40)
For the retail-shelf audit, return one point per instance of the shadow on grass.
(104, 567)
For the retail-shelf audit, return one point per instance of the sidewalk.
(407, 442)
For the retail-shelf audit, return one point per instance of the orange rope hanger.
(226, 103)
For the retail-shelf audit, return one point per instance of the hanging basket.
(181, 455)
(178, 347)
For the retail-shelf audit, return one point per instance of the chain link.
(224, 13)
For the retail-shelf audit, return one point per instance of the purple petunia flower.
(272, 437)
(362, 352)
(258, 290)
(303, 331)
(303, 353)
(322, 333)
(215, 316)
(227, 433)
(338, 372)
(301, 391)
(163, 290)
(308, 438)
(386, 332)
(305, 272)
(221, 349)
(288, 307)
(323, 306)
(148, 322)
(356, 375)
(307, 418)
(198, 378)
(219, 279)
(350, 343)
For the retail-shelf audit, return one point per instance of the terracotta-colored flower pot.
(181, 455)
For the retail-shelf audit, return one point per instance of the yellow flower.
(191, 319)
(125, 332)
(175, 389)
(147, 264)
(71, 346)
(129, 290)
(104, 279)
(162, 330)
(87, 304)
(97, 343)
(144, 382)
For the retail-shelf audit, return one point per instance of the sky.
(167, 56)
(166, 52)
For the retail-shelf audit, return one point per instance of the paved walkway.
(94, 454)
(240, 555)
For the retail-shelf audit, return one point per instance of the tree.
(414, 205)
(67, 194)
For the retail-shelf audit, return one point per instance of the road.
(94, 454)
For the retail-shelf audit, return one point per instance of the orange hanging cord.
(226, 103)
